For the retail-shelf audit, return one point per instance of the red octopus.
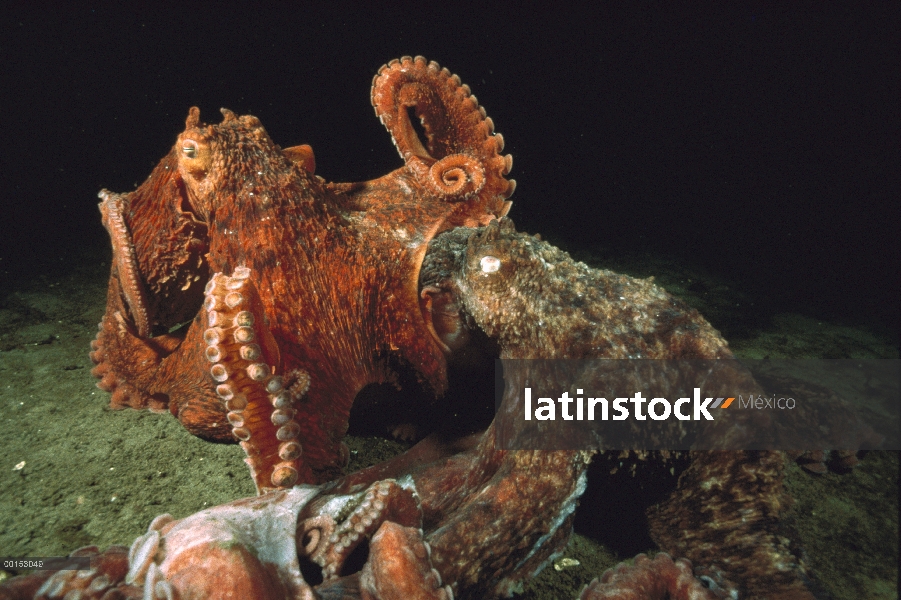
(311, 287)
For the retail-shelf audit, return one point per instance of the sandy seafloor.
(74, 473)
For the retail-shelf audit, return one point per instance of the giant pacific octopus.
(480, 522)
(310, 289)
(254, 300)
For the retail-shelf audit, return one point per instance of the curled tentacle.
(313, 534)
(461, 158)
(457, 176)
(328, 544)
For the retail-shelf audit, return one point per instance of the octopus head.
(214, 159)
(492, 276)
(490, 264)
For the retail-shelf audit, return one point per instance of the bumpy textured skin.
(495, 518)
(540, 303)
(334, 266)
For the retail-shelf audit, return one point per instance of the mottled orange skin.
(335, 265)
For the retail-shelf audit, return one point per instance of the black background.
(758, 141)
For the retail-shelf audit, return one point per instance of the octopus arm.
(461, 158)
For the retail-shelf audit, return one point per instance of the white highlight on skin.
(490, 264)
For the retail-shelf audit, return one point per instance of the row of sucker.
(259, 402)
(366, 518)
(475, 147)
(144, 550)
(125, 260)
(143, 559)
(77, 584)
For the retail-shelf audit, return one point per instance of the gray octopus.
(537, 302)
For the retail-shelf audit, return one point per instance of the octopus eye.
(490, 264)
(189, 149)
